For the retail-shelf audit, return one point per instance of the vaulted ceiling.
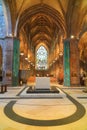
(40, 25)
(43, 20)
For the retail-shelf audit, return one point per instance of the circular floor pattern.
(79, 113)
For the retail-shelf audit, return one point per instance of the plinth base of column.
(75, 85)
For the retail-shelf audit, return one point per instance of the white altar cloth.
(42, 83)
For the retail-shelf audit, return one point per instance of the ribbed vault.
(41, 23)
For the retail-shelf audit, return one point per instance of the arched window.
(2, 22)
(41, 58)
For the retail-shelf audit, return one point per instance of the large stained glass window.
(41, 58)
(2, 22)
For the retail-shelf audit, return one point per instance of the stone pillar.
(11, 61)
(15, 65)
(74, 63)
(7, 60)
(66, 62)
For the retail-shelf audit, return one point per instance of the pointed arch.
(6, 18)
(41, 57)
(2, 22)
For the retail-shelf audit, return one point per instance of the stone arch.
(46, 58)
(7, 16)
(42, 44)
(46, 9)
(2, 22)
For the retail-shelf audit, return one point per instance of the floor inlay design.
(79, 113)
(82, 97)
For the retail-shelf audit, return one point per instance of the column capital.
(16, 38)
(66, 40)
(71, 38)
(6, 37)
(10, 37)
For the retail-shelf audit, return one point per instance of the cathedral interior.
(58, 27)
(43, 38)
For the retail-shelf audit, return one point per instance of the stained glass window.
(41, 58)
(2, 22)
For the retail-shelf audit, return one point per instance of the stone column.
(15, 65)
(7, 60)
(66, 62)
(74, 63)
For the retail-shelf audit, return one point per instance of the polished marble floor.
(66, 113)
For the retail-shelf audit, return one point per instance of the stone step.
(42, 94)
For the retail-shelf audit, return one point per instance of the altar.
(42, 89)
(42, 83)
